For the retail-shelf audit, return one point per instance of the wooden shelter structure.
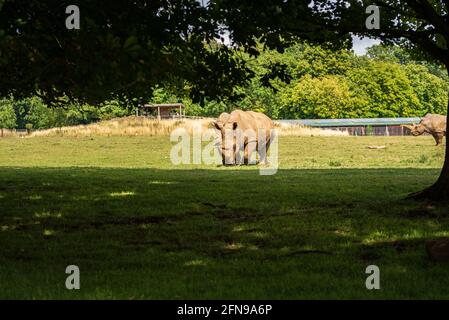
(164, 111)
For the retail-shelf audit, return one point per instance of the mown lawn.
(139, 227)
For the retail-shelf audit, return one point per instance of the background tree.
(7, 115)
(122, 50)
(324, 83)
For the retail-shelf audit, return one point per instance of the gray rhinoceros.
(251, 125)
(433, 124)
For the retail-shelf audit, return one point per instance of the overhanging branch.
(425, 8)
(422, 39)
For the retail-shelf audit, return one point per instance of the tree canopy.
(123, 49)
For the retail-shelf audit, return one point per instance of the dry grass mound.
(11, 133)
(126, 126)
(143, 126)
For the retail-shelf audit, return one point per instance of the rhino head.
(416, 129)
(224, 127)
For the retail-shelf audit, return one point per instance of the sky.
(360, 45)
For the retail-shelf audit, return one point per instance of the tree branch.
(424, 7)
(422, 39)
(446, 3)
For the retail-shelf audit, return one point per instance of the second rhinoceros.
(433, 124)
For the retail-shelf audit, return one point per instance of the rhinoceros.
(254, 123)
(433, 124)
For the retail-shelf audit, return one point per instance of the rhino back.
(262, 120)
(255, 121)
(434, 123)
(250, 120)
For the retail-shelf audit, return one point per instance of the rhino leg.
(263, 156)
(438, 136)
(249, 150)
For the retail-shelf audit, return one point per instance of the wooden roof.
(162, 105)
(353, 122)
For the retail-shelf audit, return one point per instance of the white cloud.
(360, 45)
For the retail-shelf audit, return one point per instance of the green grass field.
(139, 227)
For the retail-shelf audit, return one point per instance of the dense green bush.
(321, 97)
(8, 118)
(326, 84)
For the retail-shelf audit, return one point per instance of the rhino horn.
(410, 127)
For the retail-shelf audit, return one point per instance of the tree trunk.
(439, 191)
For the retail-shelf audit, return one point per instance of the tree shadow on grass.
(197, 219)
